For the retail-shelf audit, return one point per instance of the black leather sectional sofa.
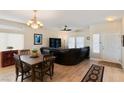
(68, 56)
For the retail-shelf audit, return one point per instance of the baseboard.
(122, 67)
(95, 59)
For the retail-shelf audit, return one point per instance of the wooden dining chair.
(22, 69)
(49, 58)
(46, 67)
(25, 52)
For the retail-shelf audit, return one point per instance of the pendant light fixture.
(34, 23)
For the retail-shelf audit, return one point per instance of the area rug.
(94, 74)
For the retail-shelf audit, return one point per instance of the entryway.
(107, 47)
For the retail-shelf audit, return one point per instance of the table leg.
(33, 74)
(52, 69)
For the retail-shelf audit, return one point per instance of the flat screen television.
(54, 42)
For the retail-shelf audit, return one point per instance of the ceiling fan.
(66, 28)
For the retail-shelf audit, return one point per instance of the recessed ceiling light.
(111, 18)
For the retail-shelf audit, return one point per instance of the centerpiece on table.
(34, 53)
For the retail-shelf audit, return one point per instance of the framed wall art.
(38, 39)
(123, 40)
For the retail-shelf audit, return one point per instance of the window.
(76, 42)
(11, 39)
(79, 42)
(71, 42)
(96, 44)
(3, 39)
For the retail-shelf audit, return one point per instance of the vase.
(34, 54)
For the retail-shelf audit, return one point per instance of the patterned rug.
(94, 74)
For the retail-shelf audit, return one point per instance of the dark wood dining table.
(33, 62)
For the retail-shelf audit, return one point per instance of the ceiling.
(58, 18)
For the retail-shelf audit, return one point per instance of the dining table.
(33, 61)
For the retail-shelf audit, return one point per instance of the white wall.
(29, 37)
(14, 27)
(123, 41)
(104, 28)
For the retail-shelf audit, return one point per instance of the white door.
(96, 46)
(111, 47)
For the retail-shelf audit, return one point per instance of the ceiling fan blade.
(65, 28)
(68, 30)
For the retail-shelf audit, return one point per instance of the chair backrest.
(18, 62)
(25, 52)
(48, 59)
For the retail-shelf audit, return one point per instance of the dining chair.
(21, 68)
(25, 52)
(46, 67)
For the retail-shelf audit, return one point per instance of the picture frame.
(123, 40)
(38, 39)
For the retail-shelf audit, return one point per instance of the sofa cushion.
(70, 56)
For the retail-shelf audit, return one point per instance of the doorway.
(111, 47)
(107, 47)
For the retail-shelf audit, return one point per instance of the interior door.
(111, 47)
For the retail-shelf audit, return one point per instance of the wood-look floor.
(69, 73)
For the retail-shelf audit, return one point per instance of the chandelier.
(34, 23)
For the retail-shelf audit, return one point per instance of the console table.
(6, 58)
